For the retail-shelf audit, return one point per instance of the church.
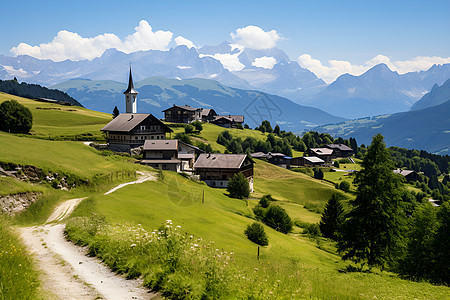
(131, 129)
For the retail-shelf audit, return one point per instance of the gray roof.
(270, 154)
(259, 155)
(322, 151)
(231, 118)
(184, 107)
(220, 161)
(127, 122)
(186, 155)
(313, 159)
(341, 147)
(161, 145)
(130, 88)
(403, 172)
(206, 111)
(160, 161)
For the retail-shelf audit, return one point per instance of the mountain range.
(425, 128)
(159, 93)
(377, 91)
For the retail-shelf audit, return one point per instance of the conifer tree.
(238, 186)
(332, 217)
(372, 231)
(115, 112)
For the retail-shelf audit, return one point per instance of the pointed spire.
(130, 88)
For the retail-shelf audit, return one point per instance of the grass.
(56, 121)
(222, 220)
(18, 279)
(9, 185)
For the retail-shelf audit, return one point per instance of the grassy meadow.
(54, 121)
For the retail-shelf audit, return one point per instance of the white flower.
(133, 245)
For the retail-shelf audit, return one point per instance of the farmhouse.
(229, 121)
(409, 175)
(325, 154)
(171, 155)
(340, 150)
(208, 114)
(215, 169)
(182, 114)
(307, 161)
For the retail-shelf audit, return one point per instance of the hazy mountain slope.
(437, 95)
(158, 93)
(426, 129)
(378, 91)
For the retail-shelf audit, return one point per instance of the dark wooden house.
(128, 131)
(325, 154)
(307, 161)
(208, 114)
(182, 114)
(340, 150)
(215, 169)
(409, 175)
(228, 121)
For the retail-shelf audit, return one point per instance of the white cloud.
(179, 40)
(336, 68)
(70, 45)
(254, 37)
(229, 61)
(266, 62)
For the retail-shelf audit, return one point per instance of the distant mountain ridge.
(159, 93)
(34, 91)
(437, 95)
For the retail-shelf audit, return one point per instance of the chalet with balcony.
(325, 154)
(128, 131)
(208, 114)
(182, 114)
(171, 155)
(215, 169)
(340, 150)
(409, 175)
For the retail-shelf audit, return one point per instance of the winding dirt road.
(67, 273)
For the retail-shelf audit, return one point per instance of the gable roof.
(220, 161)
(259, 155)
(313, 159)
(197, 149)
(161, 145)
(322, 151)
(341, 147)
(127, 122)
(205, 112)
(403, 172)
(230, 118)
(184, 107)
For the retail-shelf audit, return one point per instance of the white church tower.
(130, 97)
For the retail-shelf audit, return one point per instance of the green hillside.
(291, 266)
(56, 121)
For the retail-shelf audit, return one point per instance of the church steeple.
(130, 96)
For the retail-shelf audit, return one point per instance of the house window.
(135, 137)
(143, 127)
(152, 137)
(157, 137)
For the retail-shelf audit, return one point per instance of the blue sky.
(354, 31)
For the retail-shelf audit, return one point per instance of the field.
(54, 121)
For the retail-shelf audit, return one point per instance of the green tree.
(189, 128)
(277, 130)
(265, 201)
(15, 118)
(277, 218)
(197, 125)
(238, 186)
(115, 112)
(372, 231)
(336, 164)
(442, 244)
(255, 233)
(419, 261)
(183, 137)
(318, 173)
(345, 186)
(332, 217)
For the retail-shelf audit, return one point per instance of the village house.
(182, 114)
(215, 169)
(325, 154)
(340, 150)
(208, 114)
(170, 155)
(229, 121)
(307, 161)
(409, 175)
(279, 159)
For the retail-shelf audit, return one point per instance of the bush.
(277, 218)
(318, 173)
(197, 125)
(183, 137)
(336, 164)
(345, 186)
(259, 211)
(189, 129)
(265, 201)
(255, 233)
(15, 118)
(238, 186)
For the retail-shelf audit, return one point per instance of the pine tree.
(373, 228)
(115, 112)
(238, 186)
(332, 217)
(255, 233)
(277, 130)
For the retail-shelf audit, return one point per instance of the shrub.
(318, 173)
(345, 186)
(183, 137)
(255, 233)
(197, 125)
(189, 129)
(336, 164)
(265, 200)
(15, 118)
(238, 186)
(258, 210)
(277, 218)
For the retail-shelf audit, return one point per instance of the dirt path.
(67, 273)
